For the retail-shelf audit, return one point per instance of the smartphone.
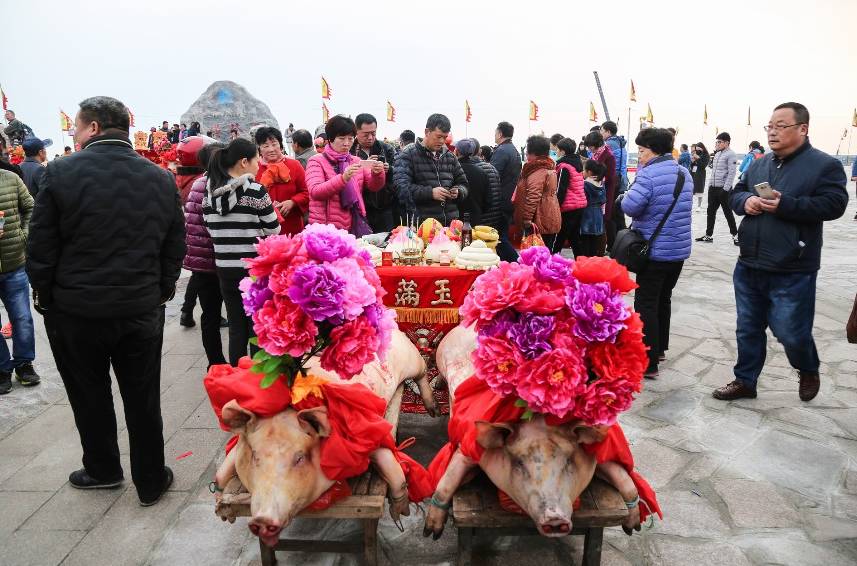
(765, 190)
(367, 163)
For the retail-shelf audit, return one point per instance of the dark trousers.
(191, 292)
(653, 300)
(591, 246)
(381, 220)
(208, 288)
(84, 349)
(570, 231)
(240, 325)
(718, 198)
(505, 249)
(785, 302)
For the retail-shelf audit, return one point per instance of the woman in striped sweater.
(237, 211)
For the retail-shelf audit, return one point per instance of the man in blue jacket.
(780, 241)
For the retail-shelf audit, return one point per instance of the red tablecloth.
(426, 300)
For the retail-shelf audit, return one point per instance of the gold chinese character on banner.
(443, 292)
(406, 294)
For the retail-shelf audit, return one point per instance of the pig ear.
(587, 434)
(314, 421)
(492, 435)
(236, 417)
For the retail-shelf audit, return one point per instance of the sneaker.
(735, 240)
(809, 384)
(5, 383)
(82, 480)
(6, 331)
(705, 238)
(224, 323)
(168, 481)
(187, 320)
(734, 390)
(27, 375)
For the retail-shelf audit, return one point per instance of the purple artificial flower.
(599, 312)
(254, 293)
(547, 266)
(384, 322)
(531, 333)
(324, 242)
(319, 292)
(501, 324)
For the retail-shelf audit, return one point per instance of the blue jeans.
(785, 302)
(15, 294)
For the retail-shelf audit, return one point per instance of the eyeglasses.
(778, 127)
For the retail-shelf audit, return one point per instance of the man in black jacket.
(429, 179)
(780, 240)
(106, 243)
(382, 210)
(507, 161)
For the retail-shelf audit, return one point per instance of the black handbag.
(631, 248)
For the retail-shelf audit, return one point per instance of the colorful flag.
(130, 118)
(325, 113)
(391, 112)
(853, 120)
(65, 122)
(705, 115)
(748, 115)
(633, 92)
(6, 100)
(649, 118)
(467, 113)
(593, 115)
(325, 89)
(534, 111)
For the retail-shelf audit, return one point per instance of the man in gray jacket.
(720, 187)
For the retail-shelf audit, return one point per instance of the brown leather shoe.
(734, 390)
(809, 384)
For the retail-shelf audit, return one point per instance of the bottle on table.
(466, 231)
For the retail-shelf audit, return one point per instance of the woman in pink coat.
(336, 180)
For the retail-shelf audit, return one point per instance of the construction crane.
(601, 94)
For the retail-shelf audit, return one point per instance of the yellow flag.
(633, 92)
(391, 112)
(705, 115)
(325, 113)
(467, 113)
(593, 115)
(65, 121)
(534, 111)
(325, 89)
(854, 119)
(649, 118)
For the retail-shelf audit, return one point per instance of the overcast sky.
(425, 57)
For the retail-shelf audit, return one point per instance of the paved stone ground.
(765, 481)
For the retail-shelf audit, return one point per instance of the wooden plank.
(351, 507)
(313, 546)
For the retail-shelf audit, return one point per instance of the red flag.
(5, 100)
(131, 118)
(467, 113)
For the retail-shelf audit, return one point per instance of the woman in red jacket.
(283, 177)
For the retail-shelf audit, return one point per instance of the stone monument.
(226, 106)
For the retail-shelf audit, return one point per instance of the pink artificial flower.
(358, 292)
(542, 298)
(274, 250)
(495, 291)
(351, 347)
(552, 382)
(602, 401)
(496, 361)
(282, 328)
(371, 275)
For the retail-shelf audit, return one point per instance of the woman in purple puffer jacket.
(200, 260)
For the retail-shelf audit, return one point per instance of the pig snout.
(266, 528)
(554, 524)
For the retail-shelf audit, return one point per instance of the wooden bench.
(475, 509)
(366, 504)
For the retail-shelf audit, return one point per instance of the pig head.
(278, 461)
(542, 468)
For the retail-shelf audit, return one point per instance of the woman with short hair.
(535, 203)
(283, 178)
(336, 180)
(647, 202)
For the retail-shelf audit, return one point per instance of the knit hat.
(723, 136)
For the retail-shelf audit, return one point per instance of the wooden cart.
(475, 510)
(366, 504)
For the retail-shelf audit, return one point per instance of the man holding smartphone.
(382, 210)
(780, 241)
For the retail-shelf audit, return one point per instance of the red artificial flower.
(351, 347)
(494, 291)
(275, 250)
(552, 382)
(603, 270)
(542, 298)
(625, 359)
(282, 327)
(496, 361)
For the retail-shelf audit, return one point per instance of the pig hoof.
(426, 532)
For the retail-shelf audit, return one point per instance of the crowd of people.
(101, 237)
